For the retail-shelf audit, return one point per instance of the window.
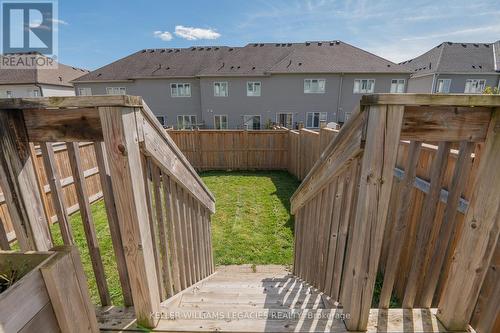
(221, 89)
(186, 121)
(220, 121)
(253, 88)
(180, 89)
(315, 118)
(398, 86)
(285, 119)
(473, 86)
(116, 91)
(364, 86)
(251, 122)
(84, 92)
(9, 94)
(314, 86)
(443, 86)
(162, 120)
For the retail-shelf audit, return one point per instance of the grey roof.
(62, 75)
(451, 57)
(253, 59)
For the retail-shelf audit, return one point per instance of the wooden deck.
(237, 299)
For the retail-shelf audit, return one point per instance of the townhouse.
(455, 68)
(249, 87)
(38, 81)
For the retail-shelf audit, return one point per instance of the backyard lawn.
(252, 224)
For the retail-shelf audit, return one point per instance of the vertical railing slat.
(172, 234)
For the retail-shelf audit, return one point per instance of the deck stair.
(260, 299)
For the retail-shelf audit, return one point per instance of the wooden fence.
(431, 231)
(157, 206)
(59, 167)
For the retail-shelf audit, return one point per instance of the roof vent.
(170, 51)
(277, 44)
(473, 66)
(162, 51)
(253, 68)
(193, 48)
(300, 64)
(99, 74)
(319, 43)
(209, 48)
(232, 67)
(143, 51)
(480, 66)
(261, 44)
(216, 48)
(487, 45)
(450, 43)
(476, 45)
(337, 42)
(289, 44)
(151, 51)
(176, 51)
(200, 49)
(238, 67)
(255, 45)
(388, 65)
(308, 43)
(230, 49)
(331, 43)
(464, 45)
(60, 78)
(283, 45)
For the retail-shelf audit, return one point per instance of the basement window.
(186, 121)
(315, 118)
(180, 90)
(314, 86)
(220, 121)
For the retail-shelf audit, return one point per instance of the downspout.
(39, 88)
(339, 100)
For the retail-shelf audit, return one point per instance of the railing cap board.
(432, 99)
(70, 102)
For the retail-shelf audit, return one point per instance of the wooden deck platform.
(269, 299)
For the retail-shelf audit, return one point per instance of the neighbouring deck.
(271, 299)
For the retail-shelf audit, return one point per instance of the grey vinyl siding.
(458, 81)
(280, 93)
(420, 85)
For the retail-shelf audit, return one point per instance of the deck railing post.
(477, 242)
(19, 184)
(121, 140)
(377, 173)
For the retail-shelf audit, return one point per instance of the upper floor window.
(253, 88)
(180, 90)
(220, 121)
(285, 119)
(443, 86)
(221, 89)
(84, 92)
(162, 120)
(364, 86)
(398, 86)
(474, 86)
(314, 86)
(116, 91)
(9, 94)
(314, 119)
(186, 121)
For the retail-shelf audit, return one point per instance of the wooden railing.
(349, 208)
(158, 208)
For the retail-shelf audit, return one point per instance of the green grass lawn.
(252, 224)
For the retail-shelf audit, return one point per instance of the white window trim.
(314, 92)
(177, 83)
(319, 120)
(252, 115)
(84, 88)
(227, 88)
(277, 117)
(253, 82)
(443, 92)
(479, 80)
(119, 88)
(404, 86)
(187, 115)
(227, 121)
(354, 84)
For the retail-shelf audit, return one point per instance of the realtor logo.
(28, 28)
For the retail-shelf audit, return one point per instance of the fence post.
(478, 240)
(19, 184)
(124, 157)
(377, 173)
